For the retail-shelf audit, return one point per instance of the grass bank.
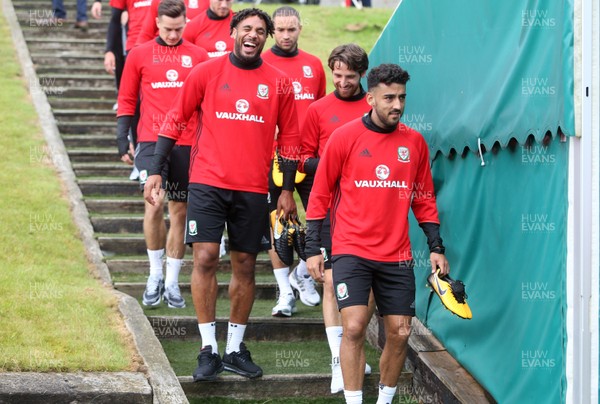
(54, 315)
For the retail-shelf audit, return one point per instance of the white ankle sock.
(173, 268)
(155, 257)
(353, 397)
(334, 337)
(301, 269)
(235, 336)
(386, 394)
(283, 282)
(208, 335)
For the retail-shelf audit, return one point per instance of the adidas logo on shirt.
(365, 153)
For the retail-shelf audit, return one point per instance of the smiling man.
(240, 101)
(371, 173)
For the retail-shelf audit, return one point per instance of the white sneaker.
(305, 287)
(286, 306)
(135, 174)
(367, 369)
(222, 249)
(337, 381)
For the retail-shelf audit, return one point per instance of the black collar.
(361, 94)
(212, 16)
(369, 124)
(160, 41)
(280, 52)
(237, 62)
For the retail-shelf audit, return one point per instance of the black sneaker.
(241, 363)
(209, 365)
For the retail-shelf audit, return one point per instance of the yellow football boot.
(452, 294)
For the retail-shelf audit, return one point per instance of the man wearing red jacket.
(210, 29)
(241, 101)
(154, 73)
(373, 170)
(305, 72)
(348, 64)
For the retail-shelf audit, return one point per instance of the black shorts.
(246, 215)
(175, 174)
(393, 284)
(177, 181)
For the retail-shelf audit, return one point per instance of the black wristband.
(313, 237)
(123, 126)
(163, 148)
(311, 164)
(434, 241)
(288, 169)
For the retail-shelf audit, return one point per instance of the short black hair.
(387, 74)
(171, 8)
(286, 11)
(250, 12)
(351, 55)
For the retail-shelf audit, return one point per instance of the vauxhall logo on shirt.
(172, 76)
(241, 106)
(221, 49)
(299, 95)
(382, 173)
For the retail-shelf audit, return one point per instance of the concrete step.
(67, 58)
(52, 43)
(107, 141)
(86, 115)
(76, 81)
(259, 328)
(33, 27)
(101, 206)
(83, 103)
(58, 69)
(96, 127)
(140, 266)
(126, 245)
(131, 224)
(118, 170)
(268, 387)
(109, 187)
(91, 155)
(265, 291)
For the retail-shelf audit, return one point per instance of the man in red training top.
(155, 72)
(148, 28)
(305, 72)
(373, 170)
(348, 64)
(241, 101)
(210, 29)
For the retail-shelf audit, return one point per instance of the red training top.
(156, 72)
(372, 179)
(149, 30)
(137, 10)
(304, 72)
(239, 108)
(323, 117)
(210, 32)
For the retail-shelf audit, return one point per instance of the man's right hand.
(109, 62)
(152, 189)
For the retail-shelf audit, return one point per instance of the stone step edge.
(283, 385)
(36, 387)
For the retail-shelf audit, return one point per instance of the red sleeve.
(423, 203)
(120, 4)
(149, 30)
(322, 83)
(130, 85)
(187, 102)
(288, 137)
(310, 136)
(326, 178)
